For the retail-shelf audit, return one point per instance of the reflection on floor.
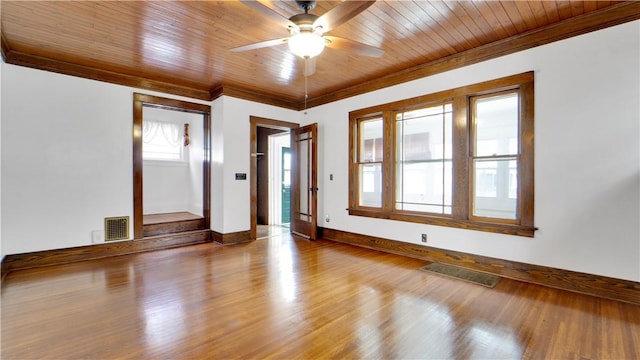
(267, 231)
(287, 298)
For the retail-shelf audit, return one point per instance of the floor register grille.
(472, 276)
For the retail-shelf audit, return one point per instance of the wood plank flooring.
(284, 298)
(267, 231)
(169, 217)
(170, 223)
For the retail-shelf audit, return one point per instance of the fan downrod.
(306, 5)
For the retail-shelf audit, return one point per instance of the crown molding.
(4, 47)
(41, 63)
(256, 96)
(593, 21)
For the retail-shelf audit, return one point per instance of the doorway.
(279, 177)
(193, 194)
(285, 186)
(269, 138)
(274, 183)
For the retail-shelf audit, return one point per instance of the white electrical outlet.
(327, 218)
(97, 236)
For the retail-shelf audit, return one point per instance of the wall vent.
(116, 228)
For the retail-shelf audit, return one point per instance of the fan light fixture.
(306, 31)
(306, 43)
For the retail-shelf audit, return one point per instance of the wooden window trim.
(462, 147)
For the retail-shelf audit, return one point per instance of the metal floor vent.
(116, 228)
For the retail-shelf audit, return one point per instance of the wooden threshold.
(595, 285)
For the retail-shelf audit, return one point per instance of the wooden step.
(172, 227)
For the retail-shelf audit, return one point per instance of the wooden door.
(304, 181)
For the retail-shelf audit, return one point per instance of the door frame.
(256, 122)
(139, 102)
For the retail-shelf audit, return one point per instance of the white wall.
(66, 158)
(217, 165)
(175, 186)
(231, 143)
(587, 156)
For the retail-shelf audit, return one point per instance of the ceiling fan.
(306, 31)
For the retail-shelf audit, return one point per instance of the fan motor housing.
(303, 20)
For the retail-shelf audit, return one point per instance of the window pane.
(496, 125)
(486, 184)
(424, 134)
(370, 140)
(423, 160)
(495, 188)
(286, 167)
(304, 169)
(161, 140)
(370, 185)
(424, 186)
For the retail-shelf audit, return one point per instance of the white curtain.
(170, 132)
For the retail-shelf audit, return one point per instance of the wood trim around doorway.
(142, 100)
(255, 123)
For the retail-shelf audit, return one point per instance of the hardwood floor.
(284, 298)
(267, 231)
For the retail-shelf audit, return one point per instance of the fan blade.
(339, 43)
(341, 14)
(309, 66)
(266, 8)
(260, 45)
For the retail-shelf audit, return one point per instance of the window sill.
(170, 163)
(507, 229)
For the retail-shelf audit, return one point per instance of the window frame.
(462, 142)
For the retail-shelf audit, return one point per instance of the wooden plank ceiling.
(183, 47)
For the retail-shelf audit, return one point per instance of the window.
(162, 141)
(460, 158)
(494, 155)
(423, 159)
(370, 162)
